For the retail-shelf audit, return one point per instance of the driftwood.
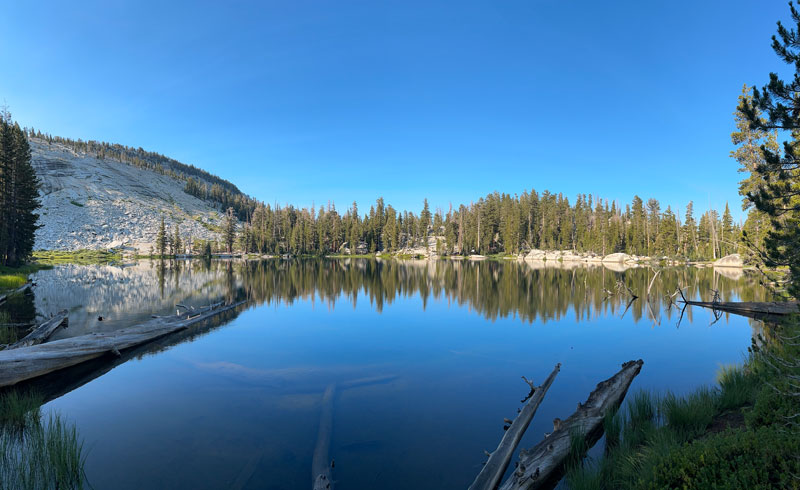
(492, 472)
(752, 309)
(4, 297)
(542, 465)
(25, 363)
(43, 331)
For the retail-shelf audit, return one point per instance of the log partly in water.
(4, 297)
(542, 465)
(25, 363)
(492, 472)
(752, 309)
(43, 331)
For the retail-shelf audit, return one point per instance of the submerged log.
(43, 331)
(542, 466)
(752, 309)
(4, 297)
(492, 472)
(25, 363)
(321, 463)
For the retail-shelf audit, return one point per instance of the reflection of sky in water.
(239, 407)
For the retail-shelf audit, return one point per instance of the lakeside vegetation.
(738, 434)
(37, 452)
(742, 433)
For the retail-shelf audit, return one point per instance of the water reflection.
(125, 294)
(447, 335)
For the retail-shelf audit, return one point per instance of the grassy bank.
(37, 452)
(81, 257)
(742, 433)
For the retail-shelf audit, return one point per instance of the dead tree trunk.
(542, 466)
(43, 331)
(29, 362)
(4, 297)
(496, 466)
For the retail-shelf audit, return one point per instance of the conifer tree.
(177, 244)
(779, 197)
(230, 230)
(161, 239)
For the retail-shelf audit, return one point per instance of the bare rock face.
(91, 203)
(732, 260)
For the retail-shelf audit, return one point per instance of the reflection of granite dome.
(120, 294)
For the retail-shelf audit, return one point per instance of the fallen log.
(30, 362)
(321, 463)
(4, 297)
(542, 466)
(492, 472)
(43, 331)
(752, 309)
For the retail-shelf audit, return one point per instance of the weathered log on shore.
(492, 472)
(25, 363)
(43, 331)
(4, 297)
(542, 466)
(752, 309)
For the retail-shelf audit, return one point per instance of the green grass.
(672, 441)
(737, 389)
(18, 410)
(37, 454)
(12, 281)
(53, 257)
(8, 333)
(47, 455)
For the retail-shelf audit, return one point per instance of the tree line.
(496, 223)
(19, 194)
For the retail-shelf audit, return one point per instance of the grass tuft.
(736, 388)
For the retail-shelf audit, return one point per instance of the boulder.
(732, 260)
(617, 258)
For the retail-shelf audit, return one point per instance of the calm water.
(236, 404)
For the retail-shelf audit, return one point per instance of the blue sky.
(305, 102)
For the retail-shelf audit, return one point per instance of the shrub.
(735, 459)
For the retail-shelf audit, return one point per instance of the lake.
(235, 403)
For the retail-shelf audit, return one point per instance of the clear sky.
(305, 102)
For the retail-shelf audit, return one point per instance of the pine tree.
(229, 231)
(177, 244)
(20, 194)
(779, 197)
(161, 239)
(424, 222)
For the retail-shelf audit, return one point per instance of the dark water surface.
(236, 404)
